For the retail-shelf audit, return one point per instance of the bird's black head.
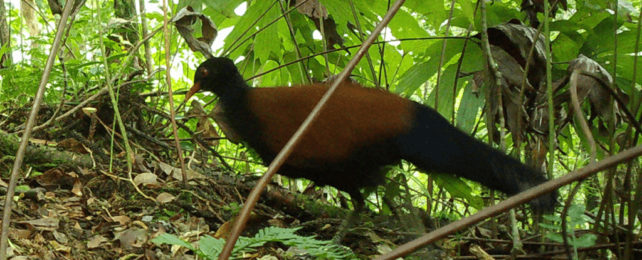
(214, 75)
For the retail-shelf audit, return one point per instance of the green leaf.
(341, 12)
(211, 247)
(248, 19)
(414, 77)
(469, 107)
(586, 240)
(22, 188)
(404, 25)
(224, 7)
(457, 188)
(267, 41)
(170, 239)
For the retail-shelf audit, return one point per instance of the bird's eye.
(204, 72)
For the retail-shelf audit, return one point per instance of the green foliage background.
(406, 62)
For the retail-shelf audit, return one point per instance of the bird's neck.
(233, 94)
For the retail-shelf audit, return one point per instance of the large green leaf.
(267, 41)
(468, 110)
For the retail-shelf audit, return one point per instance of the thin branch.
(360, 36)
(31, 121)
(443, 54)
(168, 81)
(302, 69)
(240, 42)
(349, 47)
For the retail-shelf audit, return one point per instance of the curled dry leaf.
(517, 39)
(185, 20)
(599, 97)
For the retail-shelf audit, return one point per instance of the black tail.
(435, 145)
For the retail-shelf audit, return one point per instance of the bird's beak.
(195, 88)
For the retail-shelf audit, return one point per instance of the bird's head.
(213, 75)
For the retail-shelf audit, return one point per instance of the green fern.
(211, 247)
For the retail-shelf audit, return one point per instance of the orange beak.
(195, 88)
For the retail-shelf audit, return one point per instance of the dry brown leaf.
(15, 233)
(77, 189)
(312, 8)
(46, 224)
(484, 232)
(130, 238)
(140, 164)
(176, 172)
(184, 22)
(60, 237)
(55, 177)
(165, 197)
(122, 220)
(96, 241)
(59, 247)
(480, 253)
(71, 144)
(599, 97)
(224, 230)
(147, 179)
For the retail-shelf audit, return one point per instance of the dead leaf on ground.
(147, 179)
(46, 224)
(122, 220)
(130, 238)
(165, 197)
(176, 172)
(77, 189)
(96, 241)
(55, 177)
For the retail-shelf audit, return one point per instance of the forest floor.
(77, 200)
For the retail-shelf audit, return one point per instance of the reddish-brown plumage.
(358, 133)
(353, 117)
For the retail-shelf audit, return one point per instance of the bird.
(358, 133)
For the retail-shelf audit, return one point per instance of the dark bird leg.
(358, 204)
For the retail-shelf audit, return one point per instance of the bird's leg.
(358, 204)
